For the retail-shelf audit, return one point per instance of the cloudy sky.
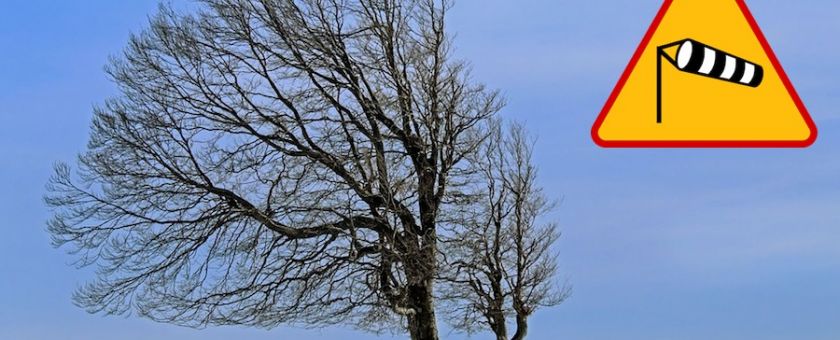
(659, 244)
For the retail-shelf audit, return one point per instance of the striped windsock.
(701, 59)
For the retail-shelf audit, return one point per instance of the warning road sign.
(704, 76)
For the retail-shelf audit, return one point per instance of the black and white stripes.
(698, 58)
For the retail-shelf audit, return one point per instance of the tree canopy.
(278, 161)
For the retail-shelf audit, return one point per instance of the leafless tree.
(500, 263)
(276, 161)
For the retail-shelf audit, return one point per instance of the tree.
(275, 161)
(501, 263)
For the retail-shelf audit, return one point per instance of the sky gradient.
(658, 244)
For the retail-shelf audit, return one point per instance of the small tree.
(501, 264)
(276, 161)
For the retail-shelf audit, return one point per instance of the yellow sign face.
(704, 76)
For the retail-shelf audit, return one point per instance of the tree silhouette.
(277, 161)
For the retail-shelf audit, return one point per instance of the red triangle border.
(704, 144)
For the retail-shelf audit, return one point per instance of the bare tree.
(278, 161)
(501, 264)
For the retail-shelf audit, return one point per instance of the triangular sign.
(704, 76)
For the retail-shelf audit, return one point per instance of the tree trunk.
(421, 274)
(422, 325)
(499, 327)
(498, 320)
(521, 327)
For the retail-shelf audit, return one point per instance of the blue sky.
(659, 244)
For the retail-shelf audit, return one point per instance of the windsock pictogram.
(701, 59)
